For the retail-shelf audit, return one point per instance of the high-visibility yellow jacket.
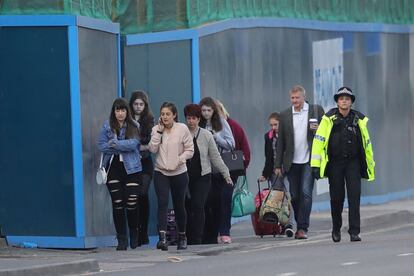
(320, 158)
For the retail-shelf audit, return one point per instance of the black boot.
(162, 243)
(336, 236)
(182, 241)
(122, 242)
(355, 238)
(133, 238)
(143, 236)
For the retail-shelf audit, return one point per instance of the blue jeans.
(301, 184)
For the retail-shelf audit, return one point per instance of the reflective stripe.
(316, 157)
(320, 138)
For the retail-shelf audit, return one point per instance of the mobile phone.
(160, 121)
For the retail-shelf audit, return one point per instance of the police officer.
(342, 151)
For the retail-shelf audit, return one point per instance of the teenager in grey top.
(199, 170)
(218, 206)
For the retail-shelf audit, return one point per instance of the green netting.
(136, 16)
(384, 11)
(101, 9)
(150, 15)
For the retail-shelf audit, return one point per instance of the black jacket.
(285, 146)
(336, 141)
(269, 162)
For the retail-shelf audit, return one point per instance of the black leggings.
(199, 190)
(178, 185)
(124, 191)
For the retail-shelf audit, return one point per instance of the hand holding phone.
(160, 125)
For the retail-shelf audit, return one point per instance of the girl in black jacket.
(141, 110)
(268, 173)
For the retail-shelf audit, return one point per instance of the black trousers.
(143, 204)
(199, 189)
(212, 210)
(178, 185)
(345, 173)
(218, 209)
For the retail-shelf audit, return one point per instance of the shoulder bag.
(243, 200)
(102, 174)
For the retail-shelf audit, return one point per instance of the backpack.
(171, 228)
(276, 206)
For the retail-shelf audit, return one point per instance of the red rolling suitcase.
(260, 228)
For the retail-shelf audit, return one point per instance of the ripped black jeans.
(124, 191)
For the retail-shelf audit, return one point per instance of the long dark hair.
(131, 127)
(215, 119)
(171, 107)
(146, 118)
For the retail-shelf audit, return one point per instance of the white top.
(300, 133)
(172, 149)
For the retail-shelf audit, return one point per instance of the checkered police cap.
(344, 91)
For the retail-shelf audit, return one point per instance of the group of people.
(303, 144)
(185, 155)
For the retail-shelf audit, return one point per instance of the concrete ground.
(24, 261)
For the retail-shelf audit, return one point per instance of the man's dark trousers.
(340, 173)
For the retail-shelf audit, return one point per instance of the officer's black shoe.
(355, 238)
(336, 236)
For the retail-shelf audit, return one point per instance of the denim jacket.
(128, 148)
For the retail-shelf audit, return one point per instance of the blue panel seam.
(119, 48)
(195, 70)
(62, 242)
(366, 200)
(216, 27)
(37, 20)
(59, 20)
(76, 130)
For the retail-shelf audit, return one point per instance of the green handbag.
(243, 200)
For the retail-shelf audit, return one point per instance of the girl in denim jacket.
(119, 144)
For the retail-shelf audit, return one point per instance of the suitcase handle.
(258, 188)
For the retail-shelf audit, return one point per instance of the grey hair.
(298, 88)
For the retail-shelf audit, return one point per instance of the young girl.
(119, 144)
(268, 173)
(139, 104)
(173, 144)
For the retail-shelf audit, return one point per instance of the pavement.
(37, 261)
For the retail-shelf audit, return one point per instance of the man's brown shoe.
(301, 235)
